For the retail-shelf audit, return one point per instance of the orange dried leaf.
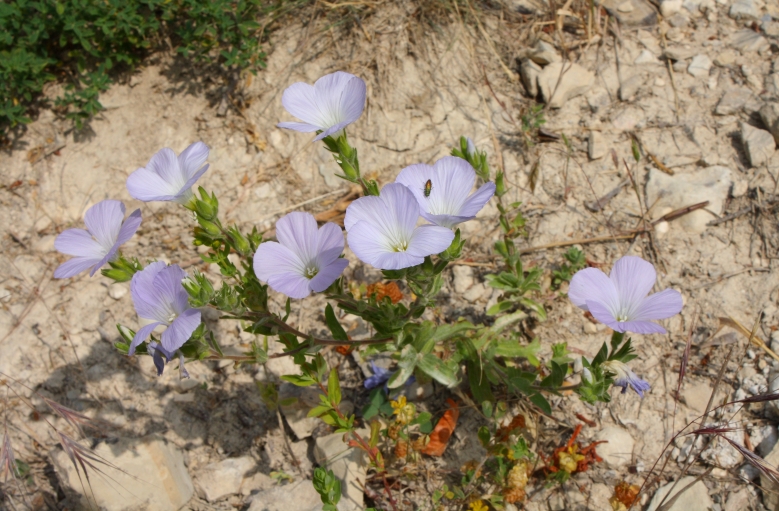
(380, 290)
(443, 430)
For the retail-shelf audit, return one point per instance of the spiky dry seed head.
(512, 495)
(401, 449)
(518, 475)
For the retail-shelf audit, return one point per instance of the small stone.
(529, 71)
(150, 459)
(256, 482)
(737, 501)
(627, 119)
(673, 192)
(694, 498)
(680, 66)
(475, 293)
(573, 81)
(646, 57)
(626, 7)
(331, 180)
(630, 87)
(747, 41)
(348, 464)
(297, 402)
(733, 101)
(463, 278)
(678, 53)
(769, 114)
(725, 58)
(596, 145)
(297, 496)
(697, 396)
(216, 481)
(618, 451)
(598, 100)
(772, 83)
(700, 65)
(544, 54)
(758, 144)
(631, 13)
(744, 9)
(45, 244)
(670, 7)
(678, 20)
(117, 290)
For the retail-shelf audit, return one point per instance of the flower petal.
(634, 278)
(303, 127)
(108, 257)
(74, 267)
(332, 129)
(145, 299)
(170, 290)
(352, 98)
(192, 158)
(448, 221)
(453, 182)
(104, 220)
(129, 227)
(329, 244)
(430, 239)
(339, 96)
(369, 244)
(291, 284)
(478, 199)
(147, 186)
(191, 181)
(364, 208)
(327, 275)
(141, 335)
(299, 99)
(664, 304)
(591, 284)
(600, 312)
(640, 327)
(180, 329)
(78, 242)
(165, 164)
(272, 258)
(414, 177)
(298, 232)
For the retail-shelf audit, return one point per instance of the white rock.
(744, 9)
(544, 54)
(670, 7)
(758, 144)
(297, 401)
(646, 57)
(700, 65)
(696, 396)
(673, 192)
(628, 118)
(575, 80)
(748, 41)
(721, 453)
(348, 464)
(152, 476)
(678, 53)
(695, 498)
(618, 452)
(216, 481)
(463, 278)
(770, 116)
(725, 58)
(733, 101)
(117, 290)
(45, 244)
(476, 292)
(297, 496)
(630, 87)
(626, 6)
(596, 145)
(737, 501)
(529, 71)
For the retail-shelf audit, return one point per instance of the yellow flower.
(570, 458)
(405, 412)
(478, 505)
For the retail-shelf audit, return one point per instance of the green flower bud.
(209, 227)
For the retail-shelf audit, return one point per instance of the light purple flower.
(470, 147)
(168, 177)
(305, 259)
(383, 230)
(159, 296)
(158, 352)
(106, 231)
(449, 200)
(380, 376)
(620, 301)
(624, 377)
(332, 103)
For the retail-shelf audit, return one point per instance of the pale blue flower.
(624, 377)
(168, 177)
(620, 301)
(305, 259)
(107, 230)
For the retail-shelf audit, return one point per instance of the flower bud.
(209, 227)
(205, 210)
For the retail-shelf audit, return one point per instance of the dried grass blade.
(755, 460)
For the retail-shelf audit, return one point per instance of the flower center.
(310, 272)
(401, 246)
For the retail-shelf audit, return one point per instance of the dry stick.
(671, 73)
(729, 275)
(743, 211)
(651, 156)
(753, 338)
(295, 460)
(601, 203)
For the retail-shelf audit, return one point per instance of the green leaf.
(334, 387)
(335, 327)
(299, 380)
(480, 385)
(511, 348)
(506, 321)
(500, 307)
(484, 436)
(437, 369)
(541, 402)
(486, 408)
(406, 365)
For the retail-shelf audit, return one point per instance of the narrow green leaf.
(334, 387)
(437, 369)
(335, 327)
